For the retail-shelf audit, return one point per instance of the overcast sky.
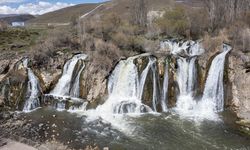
(37, 7)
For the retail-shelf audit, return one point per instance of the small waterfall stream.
(75, 90)
(214, 90)
(68, 85)
(164, 94)
(33, 90)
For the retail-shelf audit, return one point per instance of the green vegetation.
(18, 39)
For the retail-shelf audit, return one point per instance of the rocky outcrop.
(13, 87)
(239, 77)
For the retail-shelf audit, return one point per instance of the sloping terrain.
(16, 18)
(120, 7)
(64, 15)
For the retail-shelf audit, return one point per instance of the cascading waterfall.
(186, 54)
(126, 88)
(67, 85)
(213, 96)
(214, 91)
(33, 90)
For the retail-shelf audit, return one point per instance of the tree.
(139, 13)
(222, 12)
(174, 22)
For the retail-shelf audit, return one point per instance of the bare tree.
(139, 12)
(222, 12)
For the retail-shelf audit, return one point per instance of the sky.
(37, 7)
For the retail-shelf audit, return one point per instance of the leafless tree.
(222, 12)
(139, 12)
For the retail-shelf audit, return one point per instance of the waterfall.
(124, 81)
(155, 83)
(186, 54)
(33, 90)
(67, 85)
(164, 95)
(75, 90)
(125, 88)
(214, 91)
(212, 101)
(144, 77)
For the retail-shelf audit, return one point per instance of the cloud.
(10, 1)
(33, 8)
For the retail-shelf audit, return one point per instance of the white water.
(67, 85)
(186, 54)
(187, 106)
(33, 90)
(125, 89)
(164, 94)
(155, 83)
(75, 90)
(186, 75)
(213, 95)
(214, 90)
(126, 86)
(143, 78)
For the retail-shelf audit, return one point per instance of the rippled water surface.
(148, 131)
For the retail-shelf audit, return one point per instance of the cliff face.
(239, 77)
(13, 85)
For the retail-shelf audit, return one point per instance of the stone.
(240, 81)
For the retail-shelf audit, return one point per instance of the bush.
(55, 40)
(198, 23)
(239, 34)
(174, 22)
(104, 56)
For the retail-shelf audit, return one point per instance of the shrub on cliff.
(48, 46)
(104, 56)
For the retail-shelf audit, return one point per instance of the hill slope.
(120, 7)
(64, 15)
(16, 18)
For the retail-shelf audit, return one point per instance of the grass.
(19, 39)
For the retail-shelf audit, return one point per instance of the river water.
(165, 131)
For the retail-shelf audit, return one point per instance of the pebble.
(40, 125)
(54, 125)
